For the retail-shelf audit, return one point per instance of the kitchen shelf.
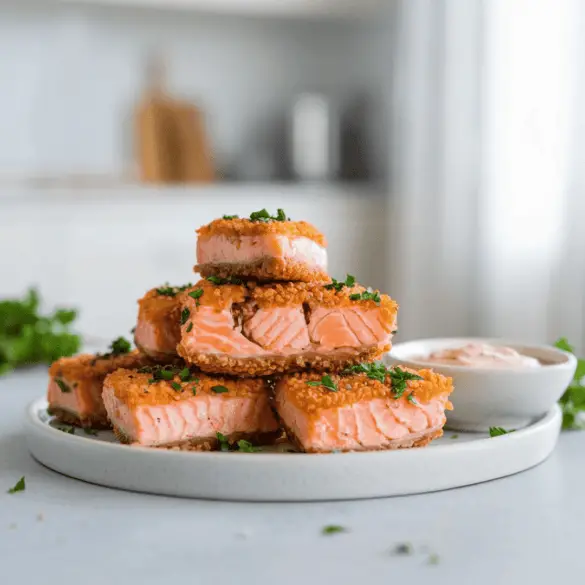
(334, 9)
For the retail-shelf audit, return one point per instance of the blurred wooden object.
(172, 144)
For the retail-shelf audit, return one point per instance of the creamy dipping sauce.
(482, 355)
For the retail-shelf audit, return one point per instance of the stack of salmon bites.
(267, 342)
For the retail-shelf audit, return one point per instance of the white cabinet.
(288, 8)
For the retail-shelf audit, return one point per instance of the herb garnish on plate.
(498, 431)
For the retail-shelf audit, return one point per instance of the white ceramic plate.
(446, 463)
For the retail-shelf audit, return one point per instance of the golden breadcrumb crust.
(266, 366)
(132, 388)
(244, 227)
(355, 388)
(90, 366)
(153, 307)
(93, 421)
(289, 294)
(265, 269)
(207, 444)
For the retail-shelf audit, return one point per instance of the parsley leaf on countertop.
(572, 402)
(27, 337)
(333, 529)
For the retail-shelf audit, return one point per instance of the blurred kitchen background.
(439, 145)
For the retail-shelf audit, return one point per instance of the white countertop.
(522, 529)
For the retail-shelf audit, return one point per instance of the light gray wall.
(70, 76)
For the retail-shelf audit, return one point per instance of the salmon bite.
(261, 329)
(262, 247)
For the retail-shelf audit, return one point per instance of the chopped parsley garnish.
(333, 529)
(411, 399)
(172, 291)
(572, 402)
(337, 285)
(196, 294)
(264, 216)
(68, 430)
(167, 373)
(497, 431)
(327, 382)
(404, 548)
(374, 371)
(20, 486)
(378, 371)
(189, 327)
(185, 314)
(176, 386)
(62, 385)
(219, 389)
(230, 217)
(247, 447)
(230, 280)
(433, 559)
(223, 442)
(119, 346)
(367, 295)
(455, 436)
(89, 431)
(395, 332)
(399, 378)
(194, 390)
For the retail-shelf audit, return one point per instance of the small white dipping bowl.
(490, 397)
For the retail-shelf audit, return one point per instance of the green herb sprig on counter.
(572, 402)
(327, 382)
(333, 529)
(27, 337)
(337, 285)
(499, 431)
(230, 280)
(172, 291)
(264, 216)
